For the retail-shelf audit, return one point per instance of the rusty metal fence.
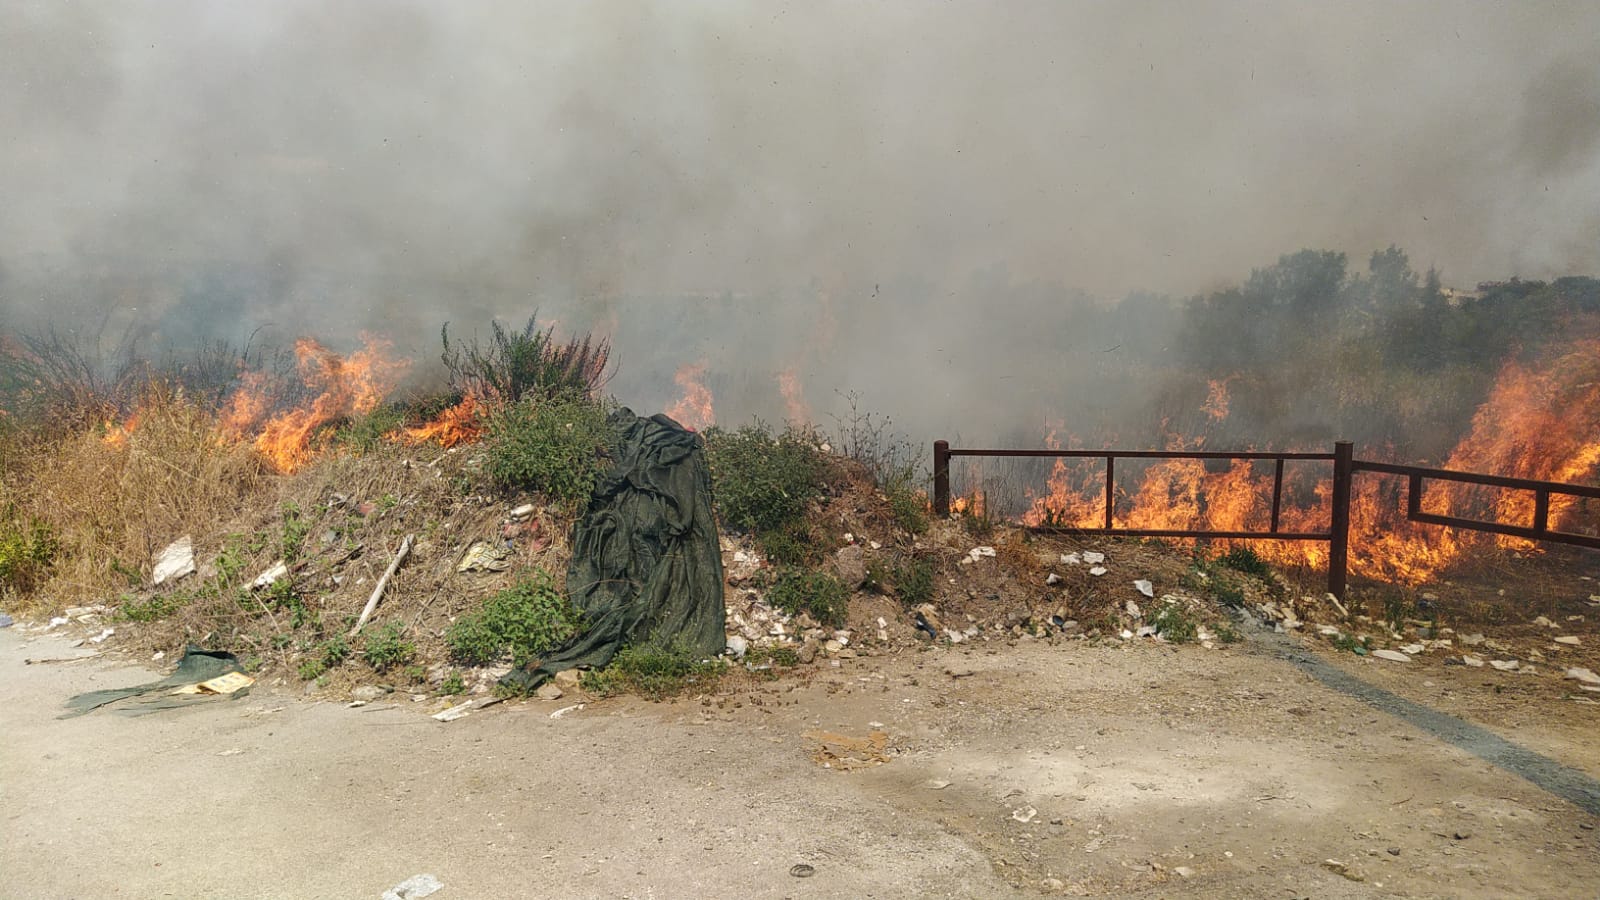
(1344, 468)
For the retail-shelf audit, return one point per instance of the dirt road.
(1012, 771)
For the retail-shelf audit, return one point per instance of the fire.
(794, 401)
(1539, 422)
(344, 386)
(460, 424)
(693, 410)
(117, 434)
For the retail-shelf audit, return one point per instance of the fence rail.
(1344, 469)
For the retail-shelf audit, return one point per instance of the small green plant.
(913, 581)
(387, 647)
(652, 671)
(793, 544)
(908, 506)
(366, 433)
(155, 608)
(26, 553)
(1227, 634)
(292, 534)
(283, 595)
(553, 446)
(779, 657)
(526, 364)
(312, 669)
(1350, 644)
(818, 593)
(1243, 559)
(763, 483)
(415, 674)
(523, 621)
(1176, 623)
(1396, 609)
(452, 685)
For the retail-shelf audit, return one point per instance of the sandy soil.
(1128, 764)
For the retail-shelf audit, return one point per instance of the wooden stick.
(372, 602)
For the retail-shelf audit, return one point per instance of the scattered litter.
(1147, 631)
(235, 751)
(936, 784)
(1412, 649)
(485, 557)
(1183, 872)
(1145, 587)
(101, 637)
(1133, 609)
(566, 709)
(1097, 571)
(229, 683)
(842, 752)
(1126, 635)
(977, 553)
(461, 709)
(1024, 815)
(1583, 675)
(269, 577)
(413, 888)
(176, 561)
(1071, 559)
(1391, 655)
(737, 646)
(1052, 579)
(1092, 557)
(1570, 640)
(802, 870)
(523, 511)
(1327, 631)
(1504, 665)
(1545, 622)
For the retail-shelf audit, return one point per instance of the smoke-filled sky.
(396, 164)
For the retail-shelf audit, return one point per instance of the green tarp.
(646, 563)
(196, 666)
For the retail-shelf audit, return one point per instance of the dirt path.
(1235, 766)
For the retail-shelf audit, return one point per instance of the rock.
(6, 621)
(522, 512)
(977, 553)
(549, 691)
(1053, 579)
(850, 564)
(1583, 675)
(1462, 835)
(1412, 649)
(833, 646)
(176, 561)
(568, 678)
(1473, 661)
(1183, 872)
(808, 652)
(1144, 587)
(1343, 869)
(1053, 884)
(414, 888)
(1471, 640)
(368, 693)
(1391, 655)
(737, 646)
(1504, 665)
(1024, 814)
(1545, 622)
(1570, 640)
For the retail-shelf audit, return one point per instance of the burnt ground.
(1011, 767)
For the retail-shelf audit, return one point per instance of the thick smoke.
(904, 200)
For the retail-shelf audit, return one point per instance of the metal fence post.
(1339, 532)
(941, 478)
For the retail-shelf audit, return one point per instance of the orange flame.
(693, 410)
(460, 424)
(346, 386)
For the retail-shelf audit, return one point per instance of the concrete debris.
(1327, 631)
(1473, 661)
(414, 888)
(1570, 640)
(1504, 665)
(1053, 579)
(1583, 675)
(1145, 587)
(176, 561)
(1391, 655)
(461, 709)
(278, 570)
(1097, 571)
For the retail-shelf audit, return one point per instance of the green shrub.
(652, 671)
(763, 484)
(292, 534)
(26, 552)
(1175, 623)
(794, 544)
(1243, 559)
(527, 364)
(387, 647)
(552, 446)
(909, 508)
(452, 685)
(366, 433)
(524, 621)
(913, 582)
(154, 608)
(818, 593)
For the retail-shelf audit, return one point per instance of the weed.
(311, 669)
(335, 651)
(292, 534)
(524, 621)
(653, 671)
(913, 582)
(387, 647)
(1350, 644)
(794, 544)
(781, 657)
(909, 508)
(415, 674)
(1175, 623)
(153, 608)
(890, 458)
(452, 685)
(366, 433)
(531, 364)
(1243, 559)
(822, 595)
(1396, 609)
(1227, 634)
(26, 552)
(552, 446)
(763, 483)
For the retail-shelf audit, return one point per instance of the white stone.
(1097, 571)
(1584, 675)
(1473, 661)
(1504, 665)
(176, 561)
(1391, 655)
(1571, 640)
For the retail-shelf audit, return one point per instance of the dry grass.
(115, 501)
